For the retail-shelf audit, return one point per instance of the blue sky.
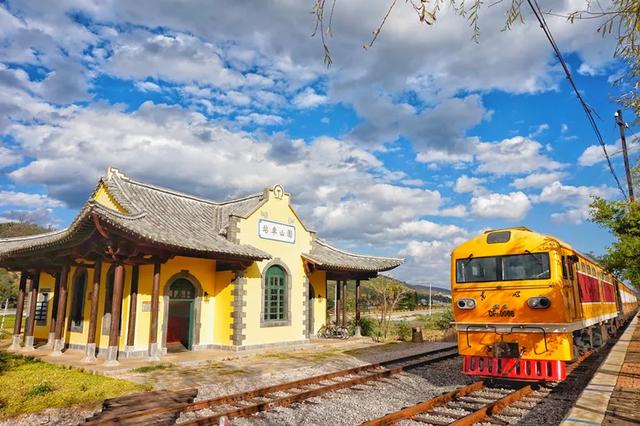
(404, 149)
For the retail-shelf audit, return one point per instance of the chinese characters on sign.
(276, 231)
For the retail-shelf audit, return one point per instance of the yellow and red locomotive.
(526, 303)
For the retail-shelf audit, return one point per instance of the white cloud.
(513, 206)
(465, 183)
(30, 200)
(540, 130)
(575, 200)
(517, 155)
(537, 180)
(260, 119)
(308, 98)
(147, 86)
(594, 154)
(8, 157)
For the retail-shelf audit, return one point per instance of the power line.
(588, 111)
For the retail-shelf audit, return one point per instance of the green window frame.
(275, 294)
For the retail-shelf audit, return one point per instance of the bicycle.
(331, 330)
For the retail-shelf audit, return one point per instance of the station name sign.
(276, 231)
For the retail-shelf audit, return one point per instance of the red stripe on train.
(589, 291)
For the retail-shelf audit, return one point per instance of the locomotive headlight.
(539, 302)
(466, 303)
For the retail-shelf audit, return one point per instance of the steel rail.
(410, 361)
(485, 411)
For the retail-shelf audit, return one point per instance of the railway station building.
(143, 269)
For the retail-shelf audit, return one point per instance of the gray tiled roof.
(168, 218)
(179, 222)
(330, 258)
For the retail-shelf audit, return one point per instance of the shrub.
(403, 330)
(444, 320)
(42, 388)
(368, 326)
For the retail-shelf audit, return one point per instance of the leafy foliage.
(622, 219)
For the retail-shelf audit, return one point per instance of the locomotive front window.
(477, 269)
(528, 266)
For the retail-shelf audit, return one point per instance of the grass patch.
(154, 367)
(30, 385)
(9, 322)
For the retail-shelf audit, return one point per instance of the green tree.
(622, 219)
(387, 292)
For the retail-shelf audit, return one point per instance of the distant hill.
(425, 289)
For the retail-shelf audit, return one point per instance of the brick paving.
(624, 405)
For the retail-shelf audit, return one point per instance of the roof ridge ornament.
(115, 172)
(278, 191)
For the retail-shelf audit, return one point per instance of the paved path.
(613, 394)
(624, 405)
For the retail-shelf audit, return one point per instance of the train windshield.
(528, 266)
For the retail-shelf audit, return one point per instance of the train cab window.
(529, 266)
(525, 267)
(565, 267)
(477, 269)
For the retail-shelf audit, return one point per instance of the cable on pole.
(588, 111)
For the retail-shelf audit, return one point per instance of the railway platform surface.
(612, 397)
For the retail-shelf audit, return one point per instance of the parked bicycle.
(330, 330)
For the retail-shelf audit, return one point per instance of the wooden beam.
(54, 310)
(90, 355)
(358, 303)
(58, 343)
(155, 302)
(133, 305)
(31, 319)
(116, 310)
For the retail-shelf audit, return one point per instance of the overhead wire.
(587, 109)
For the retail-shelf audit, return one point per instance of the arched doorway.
(182, 295)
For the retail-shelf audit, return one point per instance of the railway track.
(210, 411)
(477, 402)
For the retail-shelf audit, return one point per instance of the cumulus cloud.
(308, 98)
(465, 183)
(23, 199)
(574, 199)
(594, 154)
(517, 155)
(537, 180)
(513, 206)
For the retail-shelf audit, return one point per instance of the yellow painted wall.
(222, 311)
(318, 280)
(104, 197)
(276, 210)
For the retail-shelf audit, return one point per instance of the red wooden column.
(154, 353)
(344, 303)
(58, 343)
(338, 302)
(31, 319)
(90, 355)
(15, 342)
(116, 309)
(358, 331)
(54, 311)
(133, 305)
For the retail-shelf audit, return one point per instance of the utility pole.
(622, 125)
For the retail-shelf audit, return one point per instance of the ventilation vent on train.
(499, 237)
